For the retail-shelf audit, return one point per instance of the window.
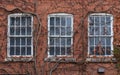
(60, 27)
(20, 37)
(100, 34)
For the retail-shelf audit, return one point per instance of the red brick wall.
(80, 10)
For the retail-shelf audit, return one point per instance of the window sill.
(22, 59)
(60, 59)
(101, 59)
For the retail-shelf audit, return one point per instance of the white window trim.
(8, 35)
(102, 14)
(54, 15)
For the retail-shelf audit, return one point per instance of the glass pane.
(92, 51)
(57, 21)
(103, 20)
(68, 41)
(51, 50)
(97, 42)
(58, 41)
(17, 41)
(103, 31)
(23, 31)
(28, 50)
(103, 41)
(91, 21)
(28, 21)
(97, 21)
(108, 41)
(28, 41)
(51, 41)
(22, 50)
(11, 30)
(97, 30)
(68, 51)
(91, 41)
(68, 31)
(108, 31)
(108, 50)
(12, 21)
(17, 50)
(63, 41)
(22, 41)
(108, 21)
(102, 51)
(63, 21)
(17, 21)
(17, 30)
(68, 22)
(28, 30)
(11, 50)
(51, 30)
(23, 22)
(57, 30)
(62, 50)
(12, 41)
(91, 30)
(62, 31)
(57, 50)
(51, 21)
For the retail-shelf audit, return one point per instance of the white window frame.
(19, 36)
(102, 14)
(60, 15)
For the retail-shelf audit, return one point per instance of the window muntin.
(100, 34)
(60, 34)
(20, 39)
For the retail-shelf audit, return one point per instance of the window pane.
(17, 21)
(68, 41)
(28, 30)
(68, 31)
(102, 51)
(22, 50)
(28, 50)
(23, 30)
(97, 42)
(92, 51)
(23, 41)
(97, 31)
(57, 30)
(63, 21)
(51, 50)
(17, 50)
(58, 41)
(103, 41)
(62, 31)
(108, 31)
(11, 30)
(103, 20)
(11, 50)
(23, 21)
(17, 41)
(108, 50)
(28, 21)
(91, 41)
(62, 50)
(68, 22)
(108, 41)
(91, 30)
(51, 41)
(12, 21)
(12, 41)
(17, 30)
(68, 51)
(57, 50)
(97, 21)
(57, 21)
(108, 21)
(51, 30)
(63, 41)
(51, 21)
(91, 21)
(28, 41)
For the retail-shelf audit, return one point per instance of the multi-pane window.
(20, 37)
(100, 34)
(60, 27)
